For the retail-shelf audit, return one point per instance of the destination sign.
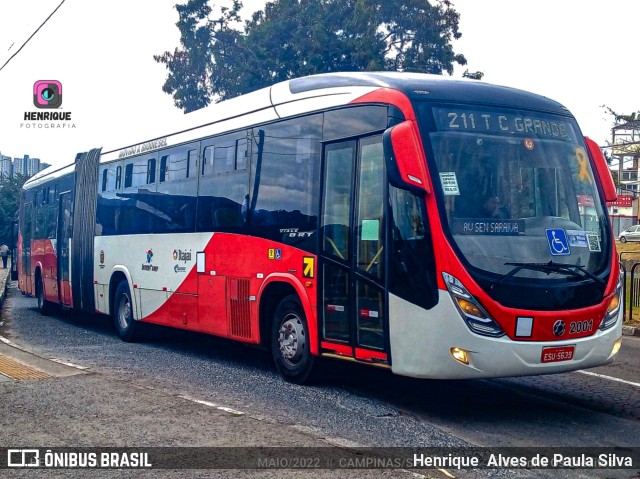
(477, 226)
(463, 120)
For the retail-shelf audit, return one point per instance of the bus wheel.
(126, 326)
(290, 341)
(45, 307)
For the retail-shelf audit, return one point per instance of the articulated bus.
(439, 228)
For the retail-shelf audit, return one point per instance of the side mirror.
(405, 159)
(598, 160)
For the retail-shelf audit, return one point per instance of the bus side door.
(63, 247)
(353, 302)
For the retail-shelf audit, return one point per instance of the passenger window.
(371, 206)
(104, 179)
(151, 171)
(207, 160)
(337, 198)
(118, 177)
(128, 175)
(163, 169)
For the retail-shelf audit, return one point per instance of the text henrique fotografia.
(47, 119)
(47, 95)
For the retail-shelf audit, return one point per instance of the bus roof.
(432, 88)
(316, 92)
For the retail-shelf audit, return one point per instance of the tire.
(45, 307)
(126, 327)
(623, 239)
(290, 341)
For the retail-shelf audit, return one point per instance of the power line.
(32, 35)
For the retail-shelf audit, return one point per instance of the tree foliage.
(622, 118)
(219, 58)
(9, 201)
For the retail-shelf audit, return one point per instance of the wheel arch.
(117, 276)
(273, 290)
(37, 274)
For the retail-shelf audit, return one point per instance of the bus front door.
(63, 248)
(354, 209)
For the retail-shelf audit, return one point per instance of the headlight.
(613, 309)
(474, 315)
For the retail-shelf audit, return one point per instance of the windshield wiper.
(576, 270)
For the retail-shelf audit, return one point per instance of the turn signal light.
(615, 302)
(469, 308)
(460, 355)
(611, 316)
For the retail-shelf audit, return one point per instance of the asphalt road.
(355, 405)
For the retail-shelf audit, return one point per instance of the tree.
(616, 176)
(473, 75)
(9, 201)
(293, 38)
(621, 118)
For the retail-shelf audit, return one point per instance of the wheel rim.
(124, 312)
(292, 339)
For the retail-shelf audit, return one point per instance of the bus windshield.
(519, 193)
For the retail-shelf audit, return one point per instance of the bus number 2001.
(580, 327)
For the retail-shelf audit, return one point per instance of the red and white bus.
(432, 226)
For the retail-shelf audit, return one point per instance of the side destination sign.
(143, 147)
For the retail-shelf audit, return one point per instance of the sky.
(582, 54)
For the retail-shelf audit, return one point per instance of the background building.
(25, 166)
(6, 166)
(625, 158)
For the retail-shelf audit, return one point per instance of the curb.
(4, 281)
(630, 331)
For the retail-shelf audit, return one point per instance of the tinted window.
(128, 175)
(412, 263)
(151, 171)
(223, 193)
(338, 192)
(207, 160)
(371, 205)
(353, 121)
(285, 172)
(174, 207)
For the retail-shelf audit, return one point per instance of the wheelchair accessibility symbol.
(558, 243)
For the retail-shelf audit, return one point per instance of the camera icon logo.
(47, 94)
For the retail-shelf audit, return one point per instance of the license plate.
(556, 354)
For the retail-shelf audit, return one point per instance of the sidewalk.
(53, 405)
(48, 404)
(5, 275)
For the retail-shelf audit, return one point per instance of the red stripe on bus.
(367, 355)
